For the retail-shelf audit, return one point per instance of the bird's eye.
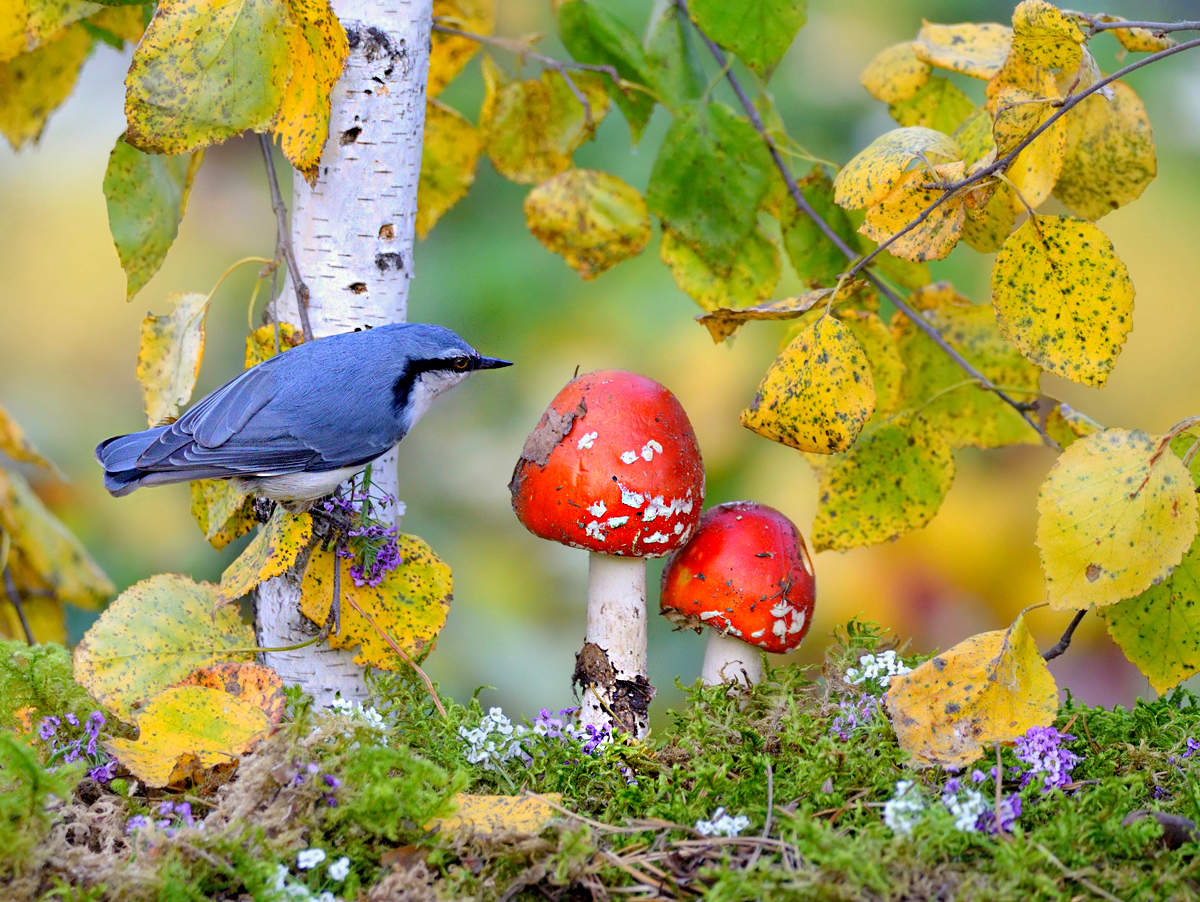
(460, 364)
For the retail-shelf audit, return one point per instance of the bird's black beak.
(491, 363)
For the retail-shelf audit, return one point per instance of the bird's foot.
(264, 508)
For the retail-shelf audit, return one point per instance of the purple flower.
(137, 822)
(49, 728)
(853, 714)
(105, 772)
(1192, 747)
(72, 719)
(1007, 813)
(331, 781)
(93, 724)
(1041, 749)
(978, 776)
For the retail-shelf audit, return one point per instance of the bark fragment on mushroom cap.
(745, 573)
(613, 466)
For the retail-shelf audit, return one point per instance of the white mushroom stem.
(616, 624)
(728, 659)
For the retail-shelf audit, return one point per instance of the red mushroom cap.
(612, 466)
(745, 572)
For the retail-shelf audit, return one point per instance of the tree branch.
(283, 239)
(14, 598)
(1064, 643)
(1158, 28)
(805, 207)
(523, 48)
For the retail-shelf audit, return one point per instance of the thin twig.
(1158, 28)
(283, 239)
(403, 654)
(805, 207)
(14, 597)
(523, 49)
(1064, 643)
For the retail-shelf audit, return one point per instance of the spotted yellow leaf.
(15, 444)
(880, 167)
(33, 84)
(44, 556)
(221, 510)
(267, 341)
(890, 482)
(185, 729)
(1137, 40)
(895, 73)
(1110, 156)
(1046, 36)
(986, 689)
(753, 276)
(887, 366)
(272, 553)
(1067, 425)
(936, 236)
(47, 619)
(450, 52)
(817, 394)
(448, 160)
(723, 322)
(592, 219)
(532, 127)
(496, 816)
(974, 49)
(152, 636)
(169, 355)
(250, 682)
(938, 104)
(1115, 514)
(1063, 297)
(409, 605)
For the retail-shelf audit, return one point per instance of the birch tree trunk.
(352, 233)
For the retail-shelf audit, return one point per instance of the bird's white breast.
(291, 487)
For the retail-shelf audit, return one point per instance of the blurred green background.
(68, 344)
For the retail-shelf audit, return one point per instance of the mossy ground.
(813, 799)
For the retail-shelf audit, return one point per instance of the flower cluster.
(70, 740)
(327, 783)
(171, 817)
(370, 543)
(290, 889)
(722, 824)
(1041, 748)
(853, 714)
(877, 669)
(495, 741)
(903, 811)
(371, 717)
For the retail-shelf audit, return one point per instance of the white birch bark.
(352, 233)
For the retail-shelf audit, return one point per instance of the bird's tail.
(119, 456)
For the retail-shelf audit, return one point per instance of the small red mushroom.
(747, 576)
(613, 467)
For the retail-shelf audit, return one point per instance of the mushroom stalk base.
(611, 668)
(730, 660)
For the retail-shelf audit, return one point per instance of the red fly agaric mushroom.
(747, 576)
(613, 467)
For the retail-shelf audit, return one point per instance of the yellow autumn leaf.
(152, 636)
(16, 444)
(1137, 40)
(46, 617)
(887, 367)
(496, 816)
(895, 73)
(449, 53)
(409, 605)
(974, 49)
(33, 84)
(169, 355)
(448, 160)
(1063, 297)
(221, 510)
(26, 25)
(1110, 156)
(253, 683)
(267, 341)
(1018, 112)
(125, 22)
(272, 552)
(1115, 515)
(892, 481)
(44, 556)
(593, 219)
(879, 168)
(752, 278)
(937, 235)
(532, 127)
(185, 729)
(817, 394)
(989, 688)
(990, 222)
(723, 322)
(938, 104)
(1067, 425)
(1045, 36)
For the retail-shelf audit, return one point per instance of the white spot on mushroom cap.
(614, 522)
(657, 538)
(628, 457)
(797, 622)
(780, 609)
(594, 530)
(758, 634)
(648, 450)
(597, 509)
(779, 628)
(586, 440)
(631, 499)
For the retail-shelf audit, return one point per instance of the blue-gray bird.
(299, 424)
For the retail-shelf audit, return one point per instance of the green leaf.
(964, 413)
(593, 219)
(752, 278)
(891, 481)
(1063, 297)
(672, 64)
(817, 394)
(593, 35)
(1115, 515)
(759, 33)
(33, 84)
(816, 259)
(938, 104)
(155, 634)
(709, 178)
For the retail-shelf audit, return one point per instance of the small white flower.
(722, 824)
(878, 668)
(966, 807)
(903, 810)
(340, 869)
(310, 858)
(281, 876)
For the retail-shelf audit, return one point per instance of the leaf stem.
(524, 48)
(283, 239)
(805, 207)
(1065, 642)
